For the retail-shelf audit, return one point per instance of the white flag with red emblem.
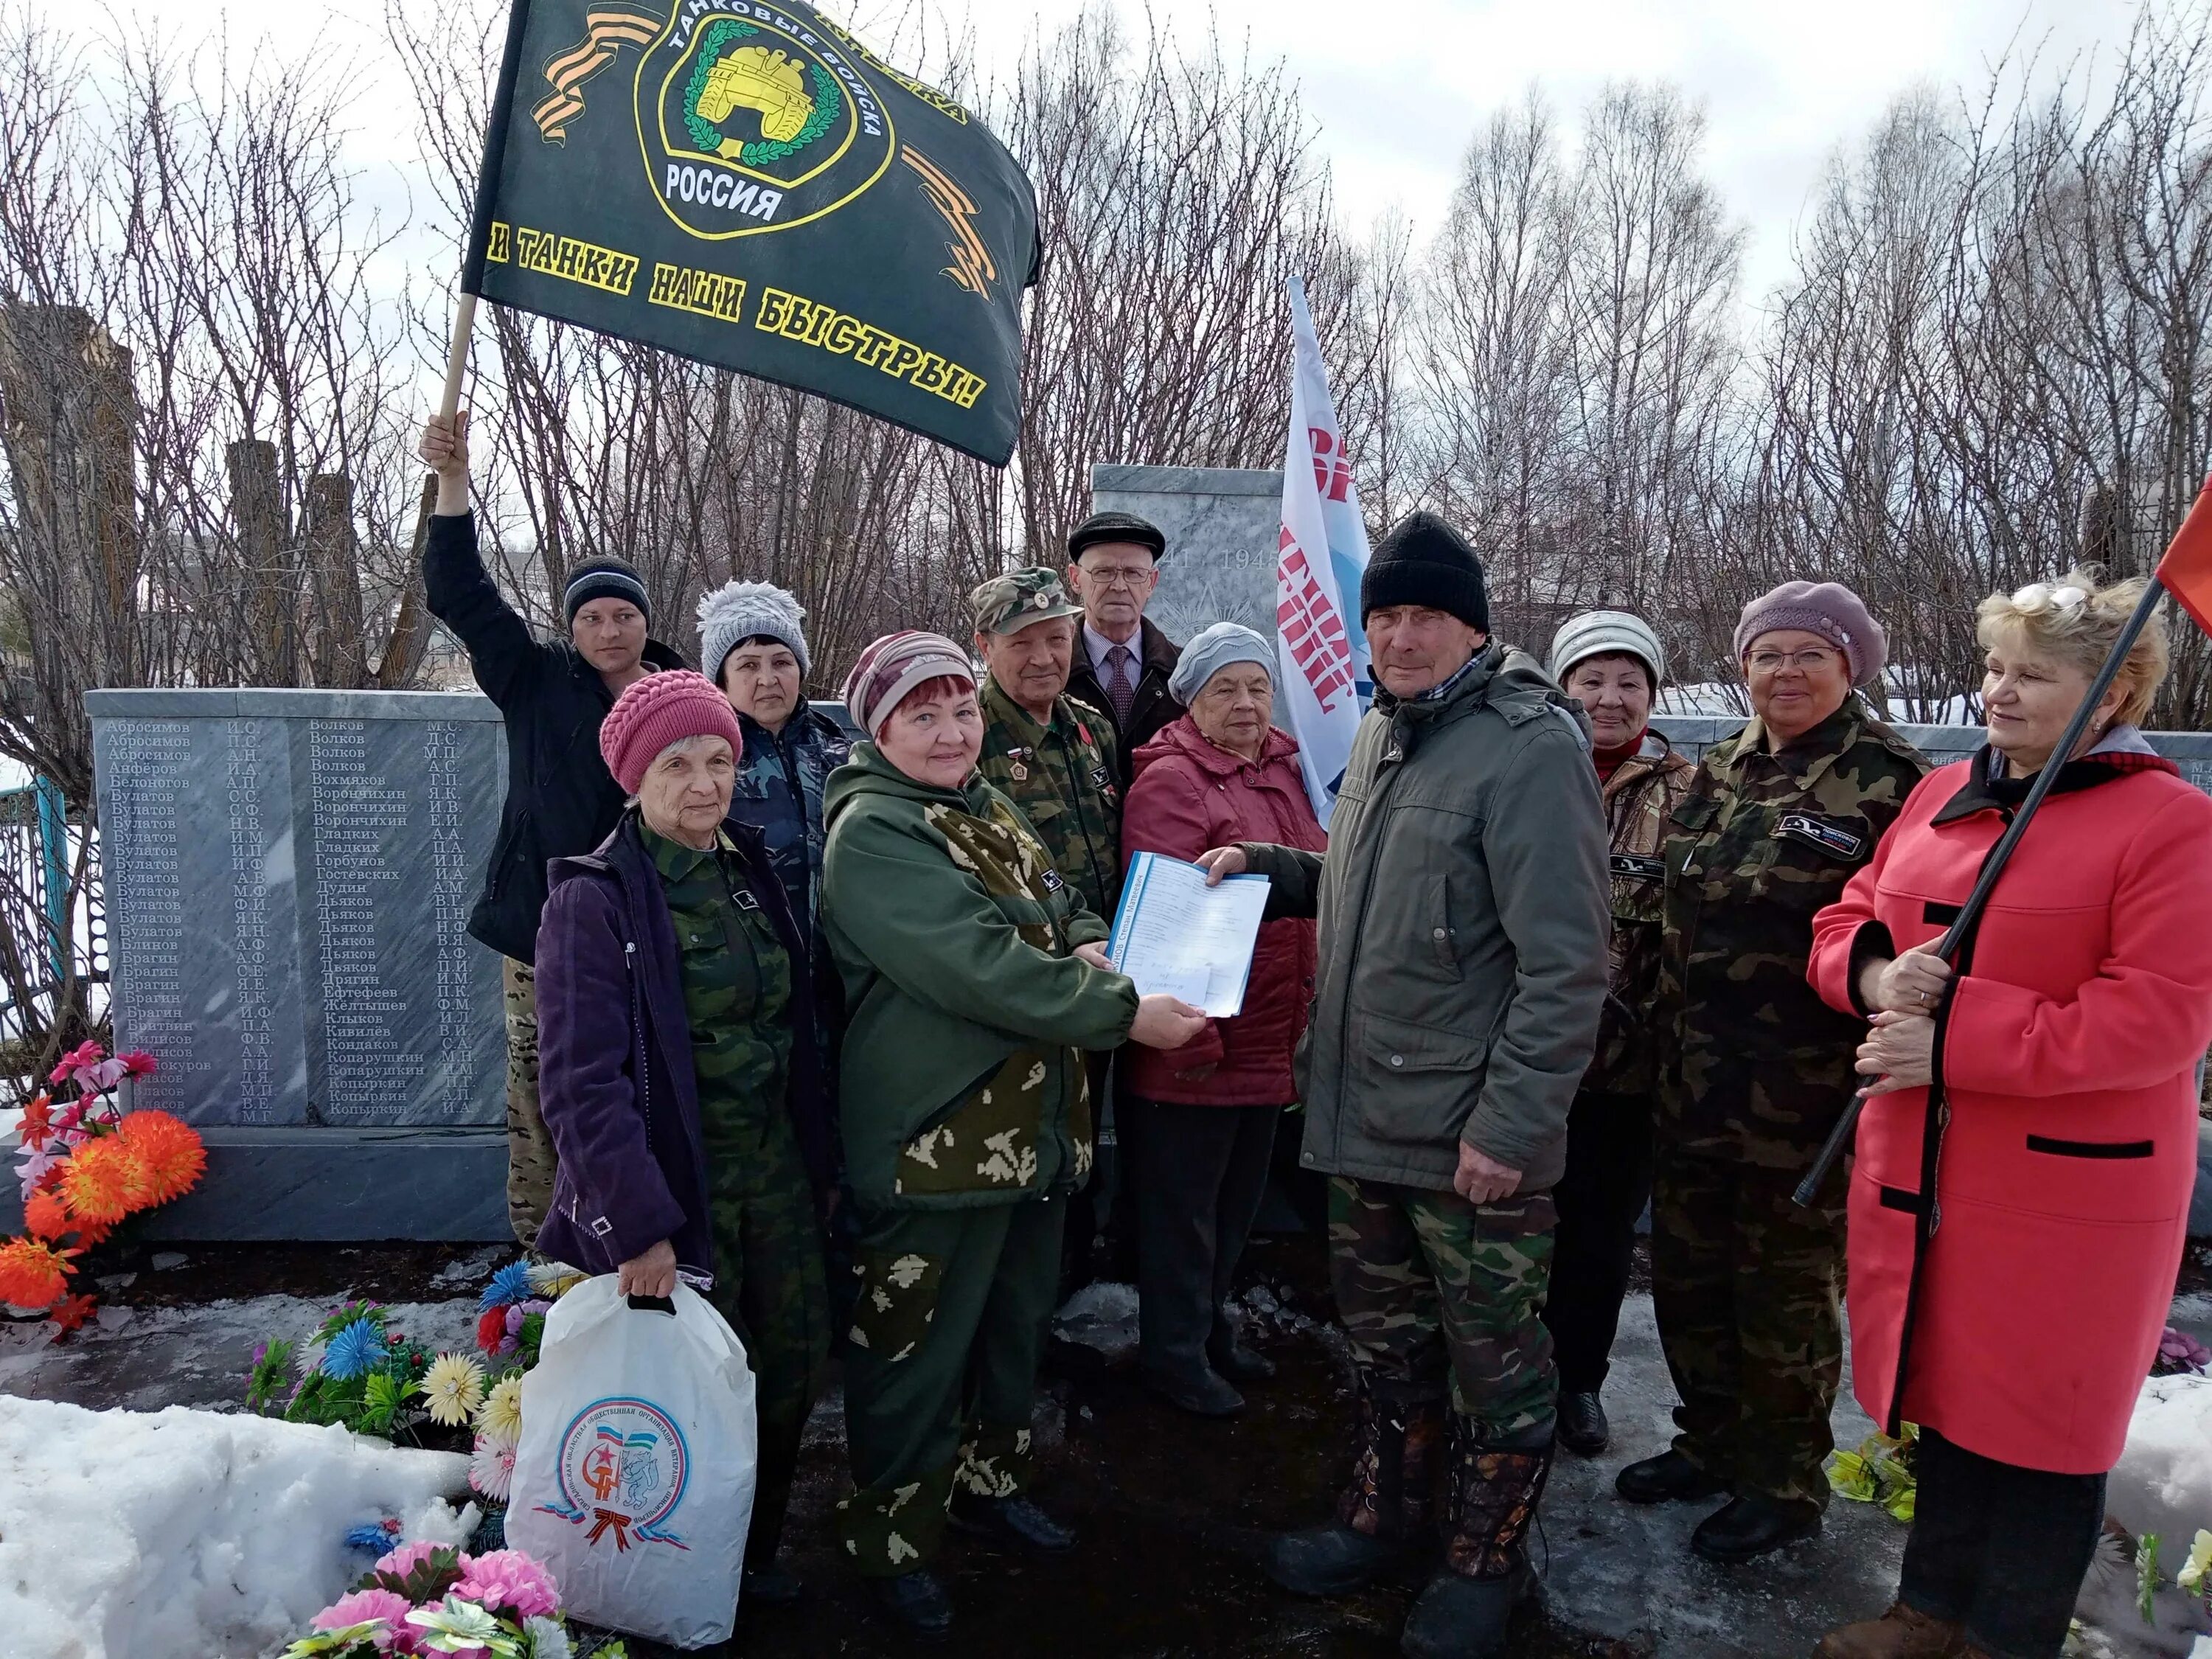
(1319, 560)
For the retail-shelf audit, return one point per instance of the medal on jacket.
(1015, 769)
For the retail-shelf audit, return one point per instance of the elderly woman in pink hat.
(679, 1072)
(1754, 1069)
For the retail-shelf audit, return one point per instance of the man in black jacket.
(561, 801)
(1121, 661)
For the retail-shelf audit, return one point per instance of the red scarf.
(1608, 760)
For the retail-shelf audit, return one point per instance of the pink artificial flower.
(33, 1163)
(507, 1581)
(84, 1054)
(70, 1117)
(404, 1559)
(101, 1077)
(360, 1606)
(138, 1063)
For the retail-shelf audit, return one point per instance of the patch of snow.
(2163, 1481)
(475, 1268)
(182, 1534)
(1101, 1316)
(166, 1260)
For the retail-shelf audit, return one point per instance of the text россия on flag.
(748, 186)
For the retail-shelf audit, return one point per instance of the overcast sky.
(1396, 87)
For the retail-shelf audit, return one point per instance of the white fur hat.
(739, 610)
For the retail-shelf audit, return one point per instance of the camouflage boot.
(1383, 1512)
(1492, 1493)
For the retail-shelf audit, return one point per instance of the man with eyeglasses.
(1124, 661)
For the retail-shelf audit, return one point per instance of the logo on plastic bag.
(623, 1468)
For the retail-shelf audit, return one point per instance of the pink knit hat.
(659, 709)
(1828, 609)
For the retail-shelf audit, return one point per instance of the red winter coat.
(2013, 1261)
(1186, 796)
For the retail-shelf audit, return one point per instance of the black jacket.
(561, 800)
(1151, 711)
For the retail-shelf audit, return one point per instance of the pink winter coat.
(2012, 1261)
(1186, 796)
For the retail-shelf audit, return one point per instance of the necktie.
(1121, 690)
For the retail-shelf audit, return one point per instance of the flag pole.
(456, 358)
(1970, 912)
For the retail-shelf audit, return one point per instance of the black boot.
(1583, 1427)
(917, 1600)
(1493, 1495)
(1202, 1393)
(1669, 1478)
(1010, 1521)
(1744, 1528)
(1231, 1358)
(1385, 1508)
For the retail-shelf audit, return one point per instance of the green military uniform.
(1745, 1282)
(769, 1277)
(966, 1120)
(1061, 772)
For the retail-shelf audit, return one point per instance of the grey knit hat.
(1213, 649)
(736, 611)
(1607, 633)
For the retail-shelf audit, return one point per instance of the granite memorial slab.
(1222, 525)
(287, 878)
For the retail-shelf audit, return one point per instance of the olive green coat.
(961, 1083)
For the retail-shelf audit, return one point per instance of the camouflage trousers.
(1746, 1286)
(940, 1368)
(530, 1160)
(770, 1284)
(1435, 1291)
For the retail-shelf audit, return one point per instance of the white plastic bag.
(633, 1481)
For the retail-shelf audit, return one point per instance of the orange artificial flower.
(71, 1312)
(45, 1217)
(38, 1121)
(33, 1274)
(104, 1182)
(170, 1154)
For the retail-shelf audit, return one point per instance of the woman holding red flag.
(2030, 1143)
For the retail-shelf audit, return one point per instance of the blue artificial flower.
(353, 1351)
(377, 1535)
(509, 1286)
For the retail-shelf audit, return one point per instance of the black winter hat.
(603, 579)
(1117, 527)
(1421, 560)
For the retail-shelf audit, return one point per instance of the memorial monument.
(1222, 525)
(287, 878)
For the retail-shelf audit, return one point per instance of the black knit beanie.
(1421, 560)
(603, 579)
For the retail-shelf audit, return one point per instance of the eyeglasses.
(1808, 661)
(1108, 577)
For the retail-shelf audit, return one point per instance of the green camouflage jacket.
(1062, 776)
(1640, 795)
(737, 985)
(1759, 1068)
(961, 1083)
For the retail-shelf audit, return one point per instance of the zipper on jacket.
(644, 1059)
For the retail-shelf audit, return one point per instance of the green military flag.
(749, 185)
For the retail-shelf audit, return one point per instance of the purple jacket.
(614, 1049)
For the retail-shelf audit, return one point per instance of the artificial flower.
(101, 1076)
(502, 1409)
(38, 1120)
(2195, 1574)
(138, 1063)
(459, 1626)
(104, 1182)
(335, 1641)
(33, 1273)
(403, 1560)
(515, 1316)
(169, 1151)
(353, 1351)
(377, 1535)
(452, 1389)
(84, 1054)
(70, 1314)
(45, 1217)
(510, 1284)
(555, 1278)
(491, 1467)
(363, 1607)
(69, 1117)
(2180, 1352)
(491, 1331)
(34, 1165)
(509, 1582)
(547, 1639)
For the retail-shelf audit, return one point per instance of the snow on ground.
(183, 1534)
(2163, 1483)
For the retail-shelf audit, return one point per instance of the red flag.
(2187, 569)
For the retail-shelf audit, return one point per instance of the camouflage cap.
(1008, 603)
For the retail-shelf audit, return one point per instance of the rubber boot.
(1384, 1511)
(1491, 1494)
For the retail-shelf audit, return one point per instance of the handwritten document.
(1177, 936)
